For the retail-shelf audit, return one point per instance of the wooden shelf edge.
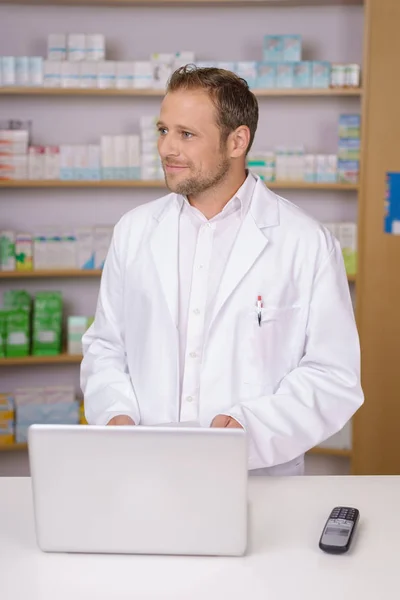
(340, 452)
(55, 273)
(273, 185)
(107, 92)
(61, 359)
(13, 447)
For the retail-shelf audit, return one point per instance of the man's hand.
(225, 421)
(121, 420)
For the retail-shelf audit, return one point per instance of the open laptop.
(140, 490)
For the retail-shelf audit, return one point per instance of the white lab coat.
(291, 383)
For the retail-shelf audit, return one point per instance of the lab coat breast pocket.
(277, 344)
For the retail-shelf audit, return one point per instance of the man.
(222, 303)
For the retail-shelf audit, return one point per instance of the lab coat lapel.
(250, 243)
(164, 247)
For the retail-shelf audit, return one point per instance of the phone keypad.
(343, 513)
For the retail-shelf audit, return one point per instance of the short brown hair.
(235, 104)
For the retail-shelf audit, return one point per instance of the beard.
(196, 184)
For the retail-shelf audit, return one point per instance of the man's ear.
(239, 141)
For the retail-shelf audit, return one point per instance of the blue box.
(247, 70)
(349, 126)
(392, 204)
(348, 171)
(273, 48)
(321, 74)
(349, 149)
(266, 75)
(62, 413)
(291, 48)
(302, 74)
(284, 75)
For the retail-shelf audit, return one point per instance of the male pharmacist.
(222, 303)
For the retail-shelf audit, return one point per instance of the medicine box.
(321, 74)
(24, 252)
(348, 171)
(348, 243)
(349, 149)
(247, 70)
(349, 126)
(291, 48)
(273, 48)
(302, 74)
(266, 75)
(284, 75)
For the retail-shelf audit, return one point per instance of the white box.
(162, 69)
(84, 248)
(282, 164)
(14, 166)
(52, 73)
(106, 74)
(142, 74)
(133, 157)
(107, 157)
(124, 75)
(247, 70)
(310, 168)
(183, 58)
(53, 247)
(76, 328)
(57, 46)
(52, 163)
(321, 165)
(36, 163)
(81, 162)
(102, 240)
(14, 141)
(331, 167)
(8, 70)
(40, 259)
(7, 251)
(95, 47)
(88, 74)
(94, 162)
(22, 70)
(70, 74)
(150, 172)
(76, 47)
(68, 249)
(121, 157)
(35, 70)
(67, 162)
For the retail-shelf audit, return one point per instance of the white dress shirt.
(204, 249)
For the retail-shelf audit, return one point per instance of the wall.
(234, 33)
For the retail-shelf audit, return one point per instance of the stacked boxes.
(263, 164)
(7, 416)
(47, 323)
(349, 148)
(49, 405)
(120, 157)
(150, 161)
(76, 328)
(13, 154)
(17, 316)
(292, 164)
(346, 234)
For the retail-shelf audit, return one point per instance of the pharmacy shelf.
(288, 185)
(228, 3)
(321, 451)
(59, 359)
(46, 91)
(13, 447)
(50, 273)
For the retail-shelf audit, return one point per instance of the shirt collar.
(240, 201)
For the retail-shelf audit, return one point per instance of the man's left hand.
(225, 421)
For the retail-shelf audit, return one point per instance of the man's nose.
(169, 146)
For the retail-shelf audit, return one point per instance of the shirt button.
(196, 311)
(189, 399)
(193, 355)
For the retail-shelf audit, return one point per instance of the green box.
(17, 332)
(17, 299)
(3, 332)
(47, 324)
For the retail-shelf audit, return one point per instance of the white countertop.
(283, 561)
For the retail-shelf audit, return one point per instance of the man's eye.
(187, 134)
(162, 130)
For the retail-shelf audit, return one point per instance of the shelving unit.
(50, 273)
(273, 185)
(57, 94)
(47, 91)
(59, 359)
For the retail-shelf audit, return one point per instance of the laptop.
(139, 490)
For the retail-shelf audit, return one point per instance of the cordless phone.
(339, 529)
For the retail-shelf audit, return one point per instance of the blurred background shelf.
(273, 185)
(50, 273)
(59, 359)
(47, 91)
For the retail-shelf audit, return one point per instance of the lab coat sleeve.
(317, 398)
(105, 381)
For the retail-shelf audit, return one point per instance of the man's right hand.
(121, 420)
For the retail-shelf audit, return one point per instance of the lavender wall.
(333, 34)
